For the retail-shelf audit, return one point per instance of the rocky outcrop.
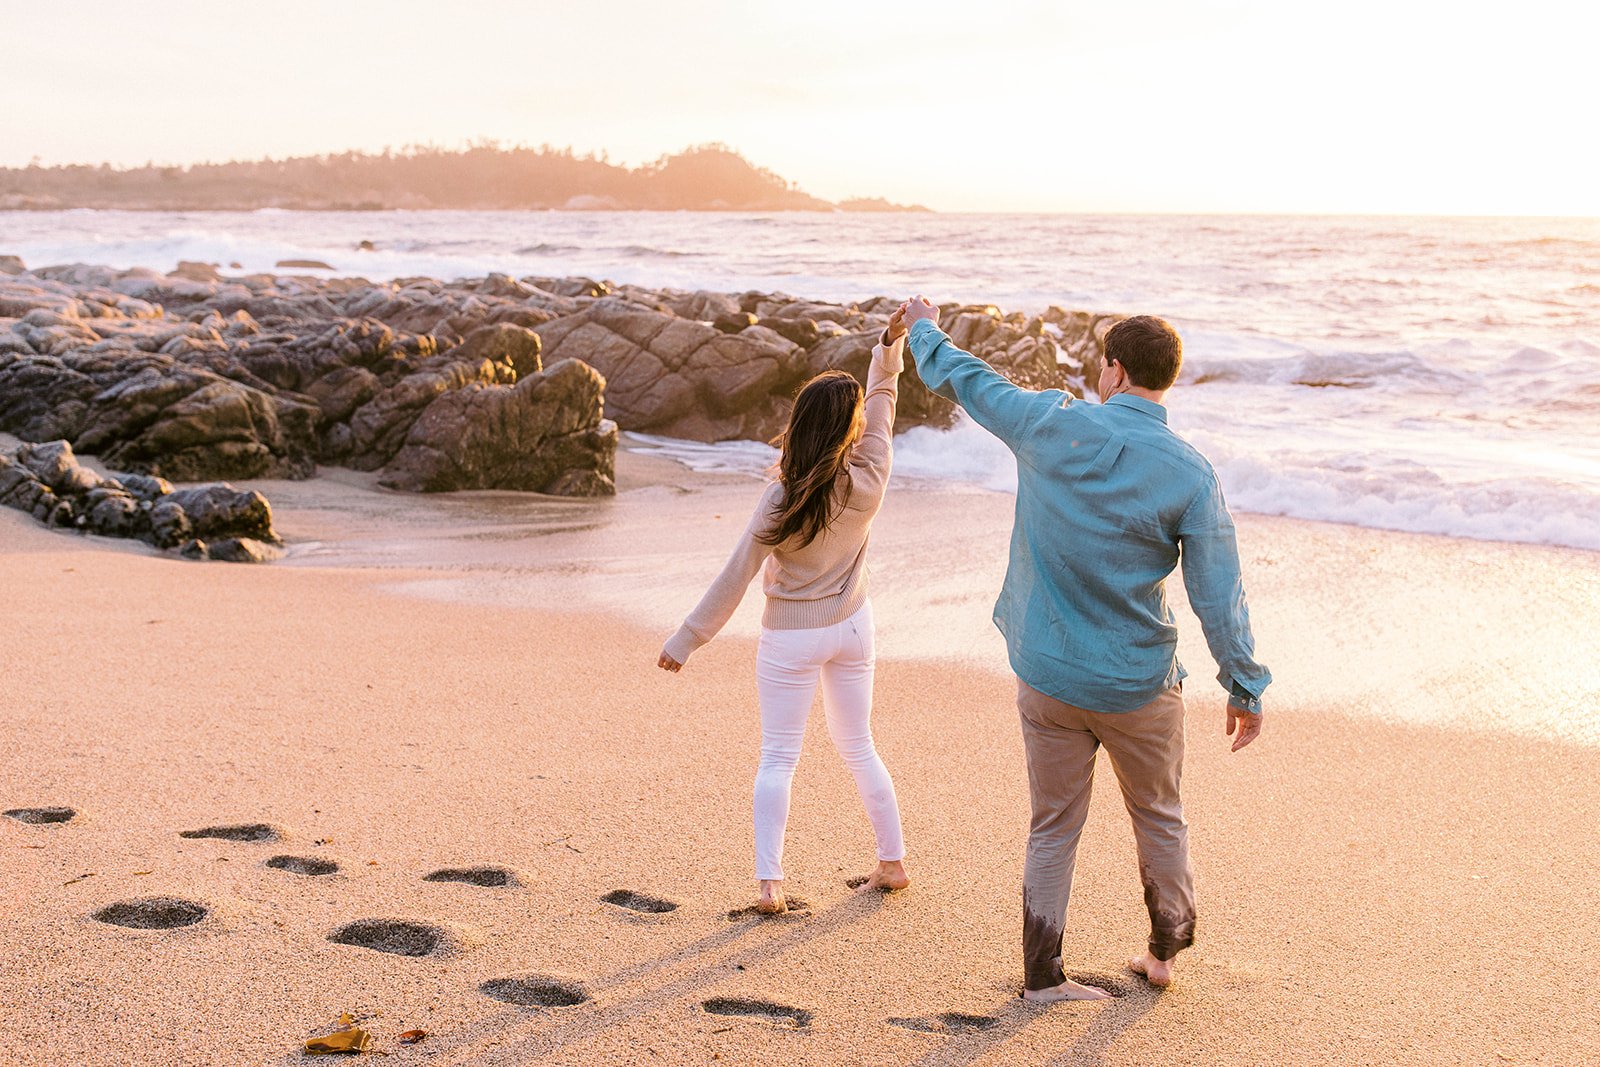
(202, 522)
(702, 178)
(438, 385)
(194, 376)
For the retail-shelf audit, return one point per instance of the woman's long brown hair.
(816, 450)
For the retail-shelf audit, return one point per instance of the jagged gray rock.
(46, 480)
(544, 435)
(676, 376)
(193, 376)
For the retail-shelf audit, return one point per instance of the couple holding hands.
(1108, 501)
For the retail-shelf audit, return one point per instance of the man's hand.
(1249, 726)
(667, 663)
(897, 326)
(919, 308)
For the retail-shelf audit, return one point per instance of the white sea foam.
(1552, 499)
(728, 457)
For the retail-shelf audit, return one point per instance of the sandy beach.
(1401, 871)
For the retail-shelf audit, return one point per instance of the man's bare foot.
(1157, 972)
(888, 878)
(1067, 990)
(772, 901)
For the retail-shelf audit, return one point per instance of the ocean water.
(1429, 374)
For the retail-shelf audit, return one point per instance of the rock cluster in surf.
(201, 522)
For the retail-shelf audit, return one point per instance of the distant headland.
(486, 176)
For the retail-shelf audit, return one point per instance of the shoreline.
(499, 549)
(935, 591)
(412, 734)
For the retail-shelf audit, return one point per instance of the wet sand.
(1400, 871)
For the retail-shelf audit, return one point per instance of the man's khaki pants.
(1146, 750)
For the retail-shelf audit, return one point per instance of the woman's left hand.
(667, 663)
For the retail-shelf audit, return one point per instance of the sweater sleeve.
(873, 455)
(722, 599)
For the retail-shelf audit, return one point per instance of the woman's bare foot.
(1067, 990)
(772, 901)
(890, 877)
(1157, 972)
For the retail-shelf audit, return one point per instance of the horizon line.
(1062, 212)
(602, 156)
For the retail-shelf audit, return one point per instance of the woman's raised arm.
(873, 456)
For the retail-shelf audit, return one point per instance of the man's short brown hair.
(1148, 348)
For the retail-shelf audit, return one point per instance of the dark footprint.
(152, 913)
(252, 831)
(390, 935)
(535, 991)
(949, 1022)
(760, 1010)
(484, 876)
(308, 865)
(41, 816)
(857, 882)
(797, 906)
(1116, 985)
(640, 902)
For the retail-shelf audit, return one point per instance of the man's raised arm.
(994, 402)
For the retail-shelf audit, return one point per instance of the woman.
(810, 530)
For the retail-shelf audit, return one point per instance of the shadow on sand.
(544, 1034)
(1112, 1018)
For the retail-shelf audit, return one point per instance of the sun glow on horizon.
(1241, 106)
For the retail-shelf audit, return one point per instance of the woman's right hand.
(897, 325)
(667, 663)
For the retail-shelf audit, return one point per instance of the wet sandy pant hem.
(1165, 944)
(1145, 747)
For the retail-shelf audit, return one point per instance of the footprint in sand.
(491, 877)
(41, 816)
(1115, 984)
(948, 1022)
(642, 903)
(152, 913)
(759, 1010)
(394, 936)
(797, 908)
(312, 866)
(535, 991)
(250, 831)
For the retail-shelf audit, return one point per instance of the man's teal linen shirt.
(1108, 499)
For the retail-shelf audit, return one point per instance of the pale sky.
(1005, 105)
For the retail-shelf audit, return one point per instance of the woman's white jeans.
(789, 664)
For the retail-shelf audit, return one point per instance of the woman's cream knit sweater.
(824, 582)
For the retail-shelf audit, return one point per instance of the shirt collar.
(1139, 403)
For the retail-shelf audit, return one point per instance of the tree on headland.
(484, 175)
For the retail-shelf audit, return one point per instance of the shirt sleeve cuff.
(1240, 697)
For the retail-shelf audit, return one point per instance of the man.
(1108, 500)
